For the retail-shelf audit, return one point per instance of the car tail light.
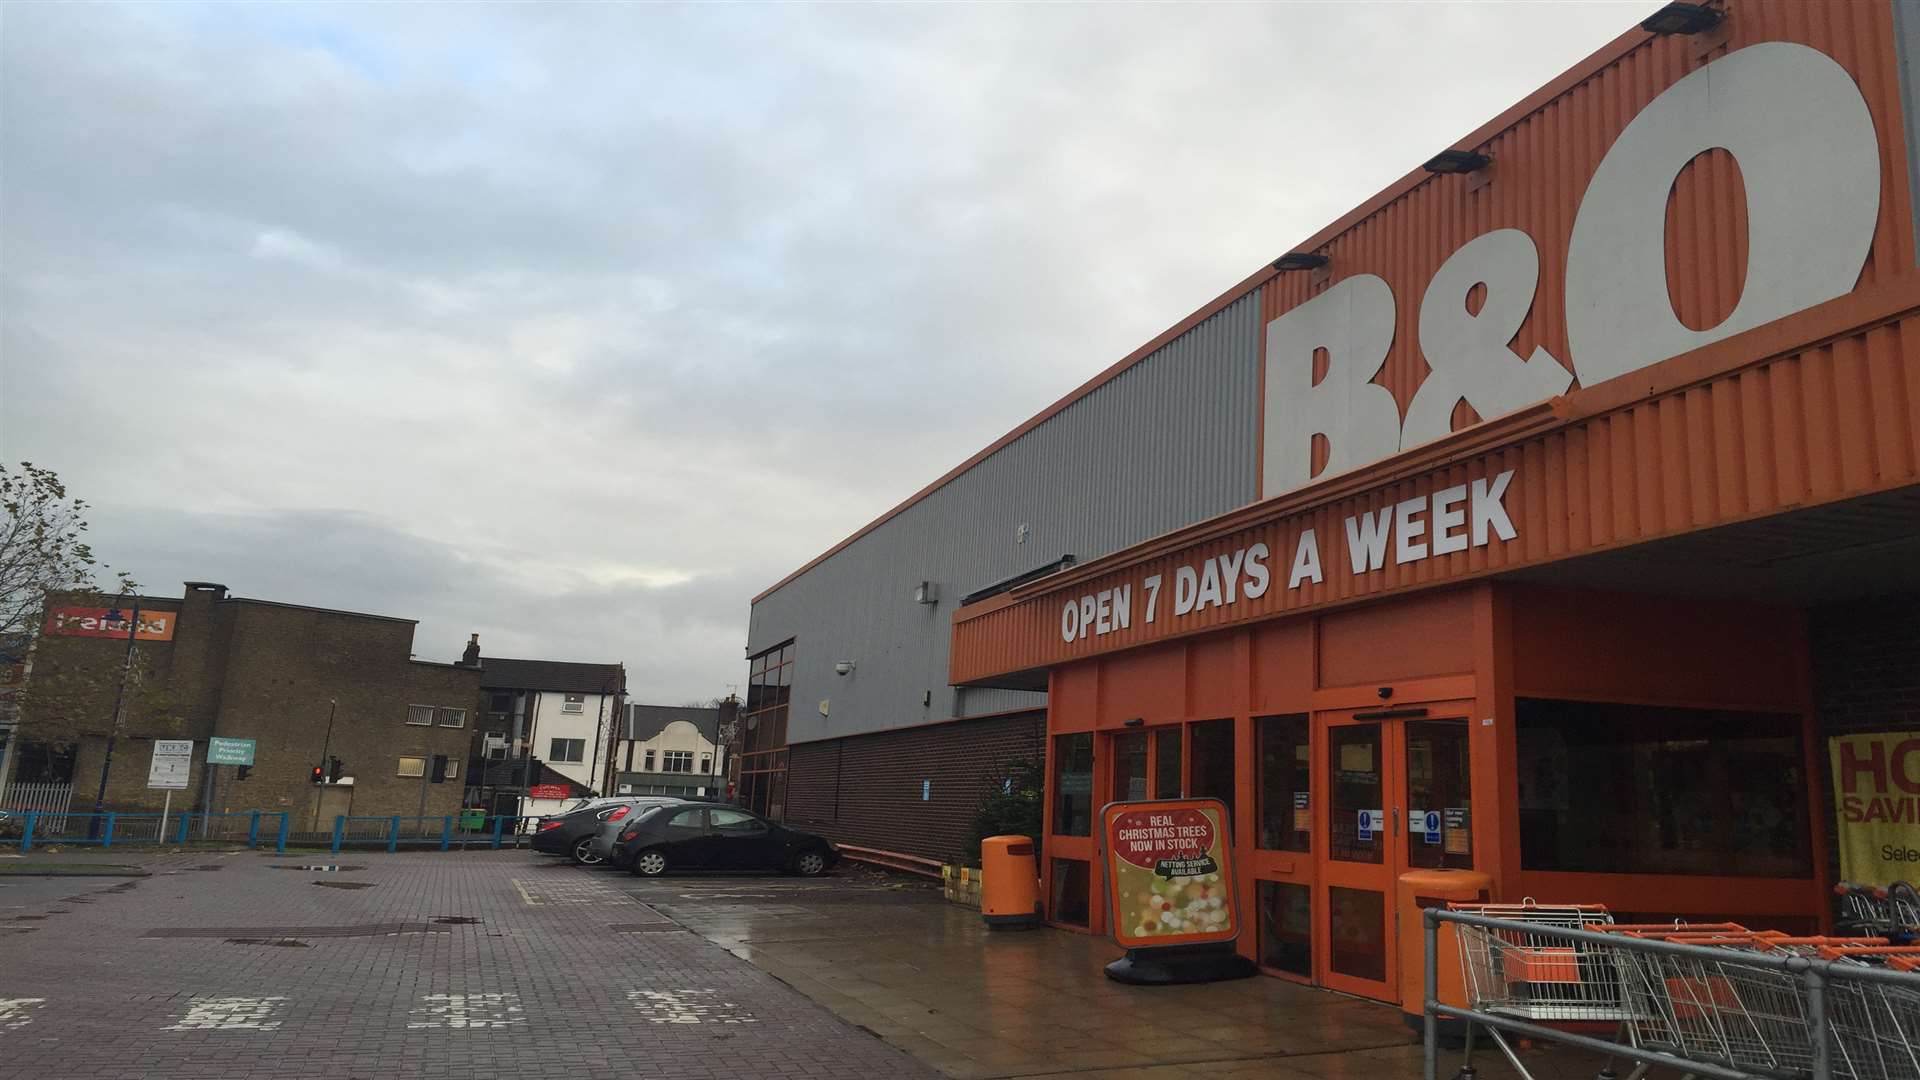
(549, 826)
(630, 832)
(617, 814)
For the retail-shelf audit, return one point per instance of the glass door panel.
(1359, 771)
(1211, 773)
(1357, 809)
(1166, 763)
(1439, 796)
(1130, 766)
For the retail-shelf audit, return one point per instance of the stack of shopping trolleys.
(1717, 1006)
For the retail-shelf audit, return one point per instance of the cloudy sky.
(578, 325)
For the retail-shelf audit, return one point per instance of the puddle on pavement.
(315, 868)
(343, 884)
(448, 920)
(284, 943)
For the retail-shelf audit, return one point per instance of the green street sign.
(229, 751)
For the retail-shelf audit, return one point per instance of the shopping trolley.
(1535, 976)
(1870, 909)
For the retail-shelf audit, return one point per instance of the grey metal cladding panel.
(1165, 443)
(1906, 47)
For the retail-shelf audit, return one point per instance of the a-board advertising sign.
(229, 751)
(172, 761)
(1876, 790)
(1169, 868)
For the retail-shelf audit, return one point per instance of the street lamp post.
(119, 700)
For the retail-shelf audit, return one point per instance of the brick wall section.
(1866, 677)
(268, 672)
(866, 789)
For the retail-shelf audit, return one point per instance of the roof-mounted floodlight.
(1457, 161)
(1299, 260)
(1683, 18)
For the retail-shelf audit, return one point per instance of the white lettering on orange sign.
(1414, 529)
(1809, 160)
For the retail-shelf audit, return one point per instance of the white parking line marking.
(521, 886)
(229, 1014)
(687, 1007)
(17, 1012)
(468, 1011)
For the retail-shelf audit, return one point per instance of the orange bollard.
(1009, 883)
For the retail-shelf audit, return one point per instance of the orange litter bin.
(1419, 890)
(1009, 883)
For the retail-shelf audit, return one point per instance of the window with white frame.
(413, 766)
(676, 761)
(706, 763)
(450, 717)
(647, 763)
(420, 715)
(568, 750)
(574, 703)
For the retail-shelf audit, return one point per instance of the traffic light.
(439, 768)
(241, 772)
(334, 770)
(319, 775)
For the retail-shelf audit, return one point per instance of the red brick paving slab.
(539, 987)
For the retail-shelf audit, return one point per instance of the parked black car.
(703, 837)
(571, 833)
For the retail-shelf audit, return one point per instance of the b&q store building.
(1569, 487)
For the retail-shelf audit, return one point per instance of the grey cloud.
(650, 293)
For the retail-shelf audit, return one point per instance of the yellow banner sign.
(1876, 784)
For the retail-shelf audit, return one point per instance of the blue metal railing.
(261, 828)
(252, 828)
(443, 832)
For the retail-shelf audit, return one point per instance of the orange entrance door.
(1398, 787)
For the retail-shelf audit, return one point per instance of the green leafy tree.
(1013, 806)
(44, 555)
(42, 546)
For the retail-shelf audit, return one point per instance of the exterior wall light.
(1299, 260)
(1457, 161)
(927, 592)
(844, 667)
(1682, 18)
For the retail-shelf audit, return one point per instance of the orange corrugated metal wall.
(1542, 165)
(1809, 426)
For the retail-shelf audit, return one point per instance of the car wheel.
(649, 864)
(583, 853)
(811, 864)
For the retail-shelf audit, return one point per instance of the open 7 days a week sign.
(1169, 872)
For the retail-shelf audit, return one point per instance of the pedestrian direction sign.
(229, 751)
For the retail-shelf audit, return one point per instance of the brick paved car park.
(475, 965)
(241, 964)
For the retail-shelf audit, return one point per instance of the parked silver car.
(609, 829)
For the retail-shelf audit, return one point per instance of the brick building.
(304, 683)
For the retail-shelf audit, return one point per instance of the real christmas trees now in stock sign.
(1169, 872)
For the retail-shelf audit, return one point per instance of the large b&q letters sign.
(1804, 141)
(1169, 872)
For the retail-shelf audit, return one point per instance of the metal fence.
(1716, 1010)
(253, 828)
(50, 799)
(260, 828)
(442, 833)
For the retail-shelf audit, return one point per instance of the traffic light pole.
(326, 744)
